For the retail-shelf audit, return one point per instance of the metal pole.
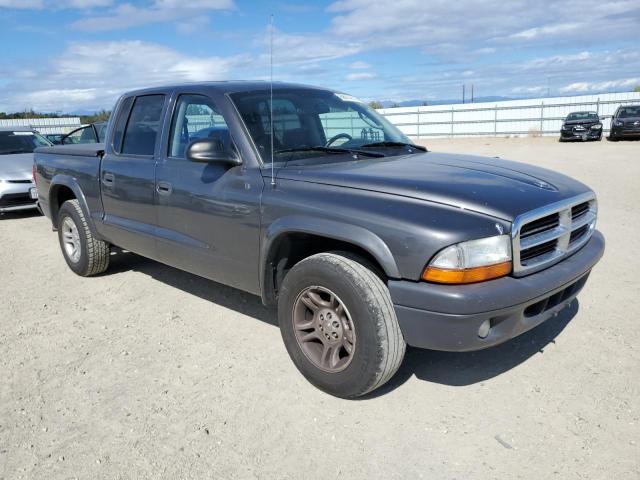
(418, 124)
(495, 121)
(541, 117)
(451, 122)
(463, 93)
(472, 93)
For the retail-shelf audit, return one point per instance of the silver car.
(17, 190)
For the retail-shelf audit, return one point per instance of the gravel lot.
(149, 372)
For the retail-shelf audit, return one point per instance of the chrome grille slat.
(545, 240)
(541, 237)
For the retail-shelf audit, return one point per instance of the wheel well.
(60, 195)
(290, 248)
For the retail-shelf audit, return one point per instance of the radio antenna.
(273, 177)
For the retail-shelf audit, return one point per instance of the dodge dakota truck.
(364, 241)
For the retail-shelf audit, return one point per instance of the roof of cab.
(227, 86)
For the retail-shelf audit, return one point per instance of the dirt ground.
(148, 372)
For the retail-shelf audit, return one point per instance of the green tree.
(637, 89)
(375, 104)
(101, 116)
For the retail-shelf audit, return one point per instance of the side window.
(196, 117)
(143, 125)
(80, 135)
(121, 123)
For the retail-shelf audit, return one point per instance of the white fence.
(541, 116)
(44, 125)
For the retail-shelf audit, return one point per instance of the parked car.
(625, 123)
(581, 126)
(92, 133)
(17, 190)
(364, 245)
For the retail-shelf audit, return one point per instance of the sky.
(80, 55)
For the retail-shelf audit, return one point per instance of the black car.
(625, 122)
(581, 126)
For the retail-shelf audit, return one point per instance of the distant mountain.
(446, 101)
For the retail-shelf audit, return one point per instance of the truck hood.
(491, 186)
(17, 166)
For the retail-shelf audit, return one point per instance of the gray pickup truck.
(307, 197)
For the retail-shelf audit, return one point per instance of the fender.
(60, 180)
(345, 232)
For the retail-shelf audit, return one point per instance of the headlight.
(472, 261)
(618, 123)
(596, 127)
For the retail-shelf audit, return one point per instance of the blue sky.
(84, 54)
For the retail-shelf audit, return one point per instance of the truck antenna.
(273, 177)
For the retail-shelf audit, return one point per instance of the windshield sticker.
(23, 133)
(348, 98)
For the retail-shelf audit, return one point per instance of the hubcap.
(324, 329)
(71, 240)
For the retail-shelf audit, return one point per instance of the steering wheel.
(338, 137)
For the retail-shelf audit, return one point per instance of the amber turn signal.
(467, 275)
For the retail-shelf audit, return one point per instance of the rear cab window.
(136, 131)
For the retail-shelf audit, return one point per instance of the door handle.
(164, 188)
(108, 179)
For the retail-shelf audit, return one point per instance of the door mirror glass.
(210, 150)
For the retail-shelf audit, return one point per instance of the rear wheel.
(85, 254)
(338, 324)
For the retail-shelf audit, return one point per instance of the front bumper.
(625, 131)
(447, 317)
(589, 134)
(15, 197)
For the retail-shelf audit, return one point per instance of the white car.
(17, 190)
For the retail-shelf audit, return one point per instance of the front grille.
(542, 225)
(545, 236)
(16, 200)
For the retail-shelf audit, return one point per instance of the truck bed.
(80, 150)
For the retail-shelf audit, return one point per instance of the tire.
(92, 257)
(378, 345)
(612, 138)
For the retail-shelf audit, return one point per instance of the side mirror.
(207, 150)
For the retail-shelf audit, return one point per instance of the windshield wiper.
(394, 144)
(329, 150)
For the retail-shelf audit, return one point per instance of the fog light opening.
(485, 328)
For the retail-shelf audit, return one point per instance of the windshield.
(629, 112)
(305, 118)
(583, 116)
(21, 142)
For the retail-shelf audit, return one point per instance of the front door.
(128, 175)
(208, 213)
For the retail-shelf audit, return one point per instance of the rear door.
(128, 174)
(208, 213)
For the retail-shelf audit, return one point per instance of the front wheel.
(85, 254)
(338, 324)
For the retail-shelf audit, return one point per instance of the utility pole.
(472, 93)
(548, 87)
(463, 93)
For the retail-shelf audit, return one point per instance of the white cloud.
(128, 15)
(360, 76)
(585, 87)
(91, 75)
(359, 65)
(39, 4)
